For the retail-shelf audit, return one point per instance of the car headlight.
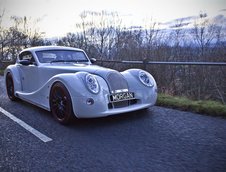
(92, 84)
(146, 78)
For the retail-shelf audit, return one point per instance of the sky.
(59, 17)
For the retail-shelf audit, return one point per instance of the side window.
(27, 56)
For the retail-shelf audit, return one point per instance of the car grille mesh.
(116, 81)
(122, 104)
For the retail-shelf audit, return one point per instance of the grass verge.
(212, 108)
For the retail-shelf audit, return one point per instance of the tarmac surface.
(158, 139)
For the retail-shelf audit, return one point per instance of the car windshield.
(54, 56)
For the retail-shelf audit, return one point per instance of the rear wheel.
(60, 103)
(10, 87)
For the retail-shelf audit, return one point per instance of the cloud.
(220, 20)
(180, 22)
(223, 10)
(179, 25)
(220, 17)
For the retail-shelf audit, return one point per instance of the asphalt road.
(159, 139)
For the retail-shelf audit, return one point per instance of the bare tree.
(22, 33)
(2, 31)
(151, 36)
(204, 32)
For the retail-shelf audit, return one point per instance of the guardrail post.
(145, 61)
(1, 65)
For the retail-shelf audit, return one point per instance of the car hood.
(68, 68)
(114, 79)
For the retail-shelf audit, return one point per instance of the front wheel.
(60, 103)
(10, 87)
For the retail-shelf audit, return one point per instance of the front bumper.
(100, 106)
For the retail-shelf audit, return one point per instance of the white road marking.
(27, 127)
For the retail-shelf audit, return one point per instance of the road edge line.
(27, 127)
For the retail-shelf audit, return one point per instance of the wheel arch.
(68, 80)
(65, 113)
(53, 83)
(15, 73)
(73, 82)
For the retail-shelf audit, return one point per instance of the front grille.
(116, 81)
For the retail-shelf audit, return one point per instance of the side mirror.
(25, 62)
(93, 60)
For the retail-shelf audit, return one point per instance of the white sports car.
(63, 80)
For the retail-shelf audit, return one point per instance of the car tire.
(60, 103)
(10, 87)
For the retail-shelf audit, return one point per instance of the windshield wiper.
(55, 61)
(65, 61)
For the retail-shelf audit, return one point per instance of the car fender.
(143, 93)
(76, 86)
(75, 83)
(14, 71)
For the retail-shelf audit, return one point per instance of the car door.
(29, 72)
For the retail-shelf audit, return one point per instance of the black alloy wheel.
(60, 103)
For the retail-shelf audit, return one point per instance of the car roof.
(42, 48)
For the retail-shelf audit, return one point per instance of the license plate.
(121, 97)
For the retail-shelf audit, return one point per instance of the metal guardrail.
(145, 63)
(164, 62)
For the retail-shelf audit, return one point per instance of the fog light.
(89, 101)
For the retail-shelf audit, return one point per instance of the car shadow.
(109, 120)
(90, 123)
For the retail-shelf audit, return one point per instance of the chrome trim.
(120, 91)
